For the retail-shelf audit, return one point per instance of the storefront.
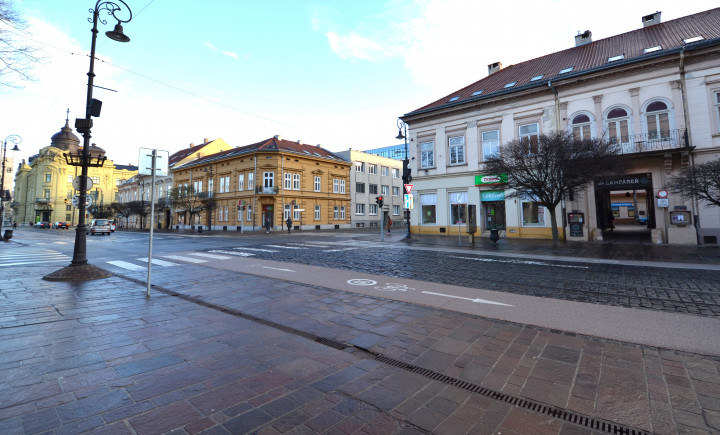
(493, 209)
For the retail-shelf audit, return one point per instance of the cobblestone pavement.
(672, 290)
(224, 352)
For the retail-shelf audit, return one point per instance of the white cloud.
(355, 46)
(231, 54)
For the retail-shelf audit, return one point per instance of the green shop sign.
(492, 195)
(482, 180)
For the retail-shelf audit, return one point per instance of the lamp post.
(15, 139)
(210, 200)
(406, 173)
(79, 270)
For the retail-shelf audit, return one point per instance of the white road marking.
(214, 257)
(309, 245)
(477, 300)
(529, 262)
(126, 265)
(158, 262)
(273, 268)
(361, 281)
(282, 247)
(235, 253)
(255, 249)
(340, 250)
(186, 259)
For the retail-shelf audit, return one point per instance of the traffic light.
(65, 200)
(406, 177)
(379, 201)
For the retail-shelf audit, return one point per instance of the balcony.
(656, 141)
(267, 190)
(42, 200)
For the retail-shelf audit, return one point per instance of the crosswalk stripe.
(282, 247)
(40, 261)
(159, 262)
(126, 265)
(213, 256)
(186, 259)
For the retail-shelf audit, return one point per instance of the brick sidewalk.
(98, 356)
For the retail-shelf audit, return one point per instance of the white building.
(655, 91)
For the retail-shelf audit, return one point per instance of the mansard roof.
(635, 46)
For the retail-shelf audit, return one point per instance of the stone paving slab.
(111, 361)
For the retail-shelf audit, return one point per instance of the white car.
(112, 226)
(101, 226)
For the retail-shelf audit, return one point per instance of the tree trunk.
(553, 223)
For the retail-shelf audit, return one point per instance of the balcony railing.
(655, 141)
(42, 200)
(267, 190)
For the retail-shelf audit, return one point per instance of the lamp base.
(83, 272)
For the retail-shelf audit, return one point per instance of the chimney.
(583, 38)
(205, 140)
(278, 137)
(494, 67)
(191, 145)
(299, 142)
(651, 20)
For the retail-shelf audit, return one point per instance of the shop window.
(533, 214)
(458, 203)
(428, 203)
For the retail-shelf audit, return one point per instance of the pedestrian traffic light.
(65, 200)
(379, 201)
(406, 177)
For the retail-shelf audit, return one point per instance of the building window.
(457, 150)
(336, 185)
(48, 178)
(288, 181)
(268, 179)
(342, 186)
(530, 136)
(490, 144)
(225, 184)
(384, 171)
(373, 210)
(241, 181)
(296, 212)
(359, 166)
(428, 202)
(342, 212)
(211, 186)
(360, 209)
(317, 212)
(396, 210)
(657, 116)
(458, 203)
(68, 208)
(70, 179)
(296, 181)
(251, 180)
(359, 187)
(617, 125)
(373, 189)
(248, 211)
(198, 186)
(46, 193)
(533, 214)
(96, 181)
(318, 184)
(581, 127)
(385, 189)
(395, 173)
(427, 154)
(286, 211)
(396, 191)
(717, 107)
(335, 213)
(372, 169)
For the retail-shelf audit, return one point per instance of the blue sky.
(335, 73)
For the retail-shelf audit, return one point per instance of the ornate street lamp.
(406, 173)
(13, 138)
(79, 269)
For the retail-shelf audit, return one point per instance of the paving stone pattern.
(99, 357)
(663, 289)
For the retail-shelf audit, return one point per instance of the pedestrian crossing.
(163, 262)
(35, 257)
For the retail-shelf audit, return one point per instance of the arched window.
(617, 125)
(657, 116)
(581, 125)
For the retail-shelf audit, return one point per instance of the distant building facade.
(372, 176)
(654, 92)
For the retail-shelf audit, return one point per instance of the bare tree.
(16, 58)
(185, 199)
(140, 209)
(552, 167)
(701, 182)
(122, 209)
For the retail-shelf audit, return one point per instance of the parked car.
(641, 220)
(101, 226)
(43, 224)
(60, 224)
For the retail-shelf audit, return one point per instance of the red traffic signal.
(379, 201)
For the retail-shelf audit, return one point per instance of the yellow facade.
(308, 183)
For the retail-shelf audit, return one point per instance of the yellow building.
(43, 185)
(273, 180)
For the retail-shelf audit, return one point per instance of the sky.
(334, 73)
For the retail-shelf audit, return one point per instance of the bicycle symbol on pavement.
(360, 281)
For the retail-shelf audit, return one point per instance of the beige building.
(654, 91)
(44, 188)
(266, 183)
(372, 176)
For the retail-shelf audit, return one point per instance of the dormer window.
(616, 58)
(693, 39)
(510, 85)
(536, 78)
(453, 99)
(652, 49)
(477, 93)
(566, 70)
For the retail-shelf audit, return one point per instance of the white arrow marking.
(277, 268)
(478, 300)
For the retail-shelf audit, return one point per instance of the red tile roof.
(669, 36)
(178, 156)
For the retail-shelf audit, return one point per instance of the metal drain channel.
(530, 405)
